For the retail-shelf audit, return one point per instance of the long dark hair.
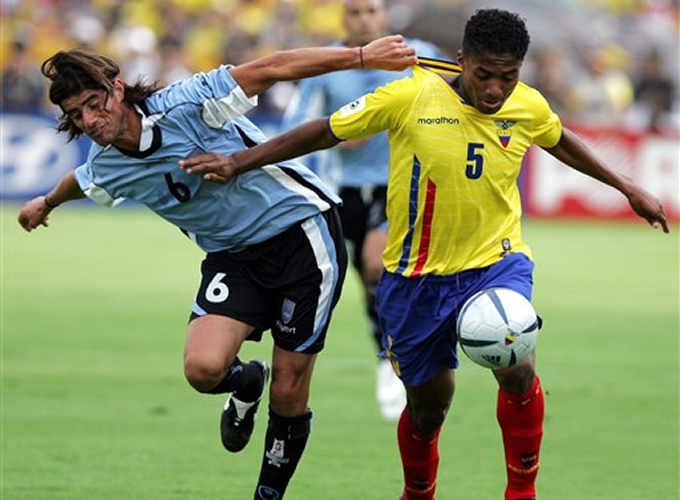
(77, 70)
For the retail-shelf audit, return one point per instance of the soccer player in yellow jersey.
(453, 210)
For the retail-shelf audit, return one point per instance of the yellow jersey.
(453, 202)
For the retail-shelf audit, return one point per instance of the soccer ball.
(497, 328)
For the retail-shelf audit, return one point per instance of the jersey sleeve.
(85, 178)
(372, 113)
(547, 125)
(219, 95)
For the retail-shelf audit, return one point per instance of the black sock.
(284, 443)
(243, 379)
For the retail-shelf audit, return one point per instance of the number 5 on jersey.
(475, 160)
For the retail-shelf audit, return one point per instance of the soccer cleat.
(238, 417)
(389, 391)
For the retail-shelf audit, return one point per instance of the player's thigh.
(211, 346)
(291, 380)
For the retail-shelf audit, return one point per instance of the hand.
(215, 167)
(34, 213)
(389, 52)
(648, 206)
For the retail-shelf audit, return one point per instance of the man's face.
(364, 20)
(488, 80)
(97, 113)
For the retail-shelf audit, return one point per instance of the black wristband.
(49, 205)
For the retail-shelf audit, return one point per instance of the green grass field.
(95, 406)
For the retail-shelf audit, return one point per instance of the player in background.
(358, 168)
(275, 253)
(454, 212)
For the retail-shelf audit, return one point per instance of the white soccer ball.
(497, 328)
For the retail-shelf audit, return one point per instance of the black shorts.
(289, 284)
(362, 210)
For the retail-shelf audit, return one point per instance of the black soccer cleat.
(238, 417)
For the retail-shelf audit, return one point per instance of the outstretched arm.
(390, 53)
(573, 152)
(34, 212)
(309, 137)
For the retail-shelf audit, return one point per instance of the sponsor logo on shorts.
(290, 330)
(287, 310)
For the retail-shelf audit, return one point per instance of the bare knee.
(204, 374)
(211, 347)
(518, 379)
(428, 419)
(429, 403)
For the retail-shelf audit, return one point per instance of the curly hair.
(495, 31)
(77, 70)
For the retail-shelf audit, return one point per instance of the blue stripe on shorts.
(418, 315)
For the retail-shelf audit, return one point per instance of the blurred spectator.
(138, 47)
(654, 93)
(173, 66)
(321, 20)
(166, 39)
(551, 79)
(22, 84)
(604, 93)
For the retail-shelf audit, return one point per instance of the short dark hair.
(495, 31)
(77, 70)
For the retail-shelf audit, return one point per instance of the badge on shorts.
(287, 310)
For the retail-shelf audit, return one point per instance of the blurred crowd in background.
(606, 63)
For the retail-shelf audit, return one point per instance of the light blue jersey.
(322, 95)
(195, 116)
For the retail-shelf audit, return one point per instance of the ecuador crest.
(504, 129)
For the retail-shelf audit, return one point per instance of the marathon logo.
(442, 120)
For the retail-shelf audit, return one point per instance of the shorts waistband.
(458, 280)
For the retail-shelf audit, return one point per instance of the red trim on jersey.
(428, 215)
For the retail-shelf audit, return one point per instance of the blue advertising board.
(33, 157)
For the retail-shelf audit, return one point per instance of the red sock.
(420, 459)
(521, 419)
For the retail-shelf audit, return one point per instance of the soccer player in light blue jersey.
(275, 255)
(359, 168)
